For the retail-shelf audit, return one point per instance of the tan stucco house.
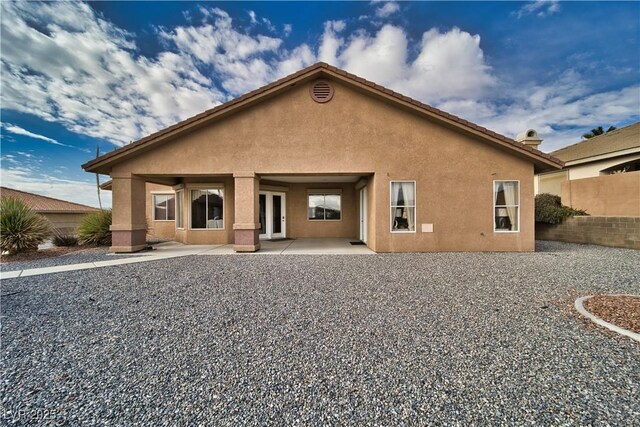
(601, 174)
(324, 153)
(64, 216)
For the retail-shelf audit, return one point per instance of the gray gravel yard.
(395, 339)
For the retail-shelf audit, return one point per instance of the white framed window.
(207, 209)
(506, 206)
(324, 206)
(403, 206)
(164, 207)
(179, 209)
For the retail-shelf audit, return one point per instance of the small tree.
(597, 131)
(21, 229)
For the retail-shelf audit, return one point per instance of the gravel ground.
(85, 255)
(397, 339)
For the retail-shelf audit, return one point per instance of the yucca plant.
(21, 229)
(94, 228)
(61, 239)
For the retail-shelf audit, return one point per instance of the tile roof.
(44, 204)
(532, 152)
(610, 142)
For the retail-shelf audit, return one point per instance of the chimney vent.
(529, 137)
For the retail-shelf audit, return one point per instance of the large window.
(324, 207)
(179, 210)
(403, 206)
(207, 209)
(164, 207)
(506, 206)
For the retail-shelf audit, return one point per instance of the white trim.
(580, 307)
(415, 207)
(493, 204)
(224, 208)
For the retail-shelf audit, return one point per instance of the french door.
(273, 223)
(363, 214)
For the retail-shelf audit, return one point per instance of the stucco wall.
(621, 232)
(158, 229)
(611, 195)
(298, 225)
(359, 134)
(592, 169)
(64, 223)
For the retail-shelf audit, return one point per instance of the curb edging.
(583, 311)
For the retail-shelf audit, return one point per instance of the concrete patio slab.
(301, 246)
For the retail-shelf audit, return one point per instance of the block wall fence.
(617, 231)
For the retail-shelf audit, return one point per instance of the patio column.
(246, 224)
(129, 225)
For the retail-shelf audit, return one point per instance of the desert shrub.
(94, 229)
(21, 229)
(61, 239)
(550, 210)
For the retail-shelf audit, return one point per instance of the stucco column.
(246, 225)
(129, 228)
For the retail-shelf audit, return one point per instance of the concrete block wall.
(616, 231)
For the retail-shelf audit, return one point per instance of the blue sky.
(80, 75)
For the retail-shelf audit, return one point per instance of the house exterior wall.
(356, 133)
(65, 223)
(590, 169)
(609, 195)
(158, 229)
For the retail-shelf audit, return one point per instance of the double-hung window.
(324, 206)
(207, 209)
(506, 206)
(164, 207)
(403, 206)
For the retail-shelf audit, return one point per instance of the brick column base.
(123, 241)
(246, 240)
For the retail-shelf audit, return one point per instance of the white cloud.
(287, 28)
(252, 15)
(541, 8)
(84, 72)
(20, 131)
(84, 192)
(388, 9)
(449, 64)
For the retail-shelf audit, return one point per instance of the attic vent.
(321, 91)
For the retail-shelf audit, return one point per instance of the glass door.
(273, 223)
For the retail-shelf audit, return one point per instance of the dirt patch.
(41, 254)
(622, 311)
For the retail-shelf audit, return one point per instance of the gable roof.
(608, 143)
(44, 204)
(541, 160)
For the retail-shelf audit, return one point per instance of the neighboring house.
(64, 216)
(324, 153)
(601, 174)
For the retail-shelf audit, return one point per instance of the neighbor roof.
(611, 142)
(44, 204)
(542, 160)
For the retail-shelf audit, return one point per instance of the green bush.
(21, 229)
(549, 209)
(60, 239)
(94, 229)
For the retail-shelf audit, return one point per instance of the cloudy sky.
(80, 75)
